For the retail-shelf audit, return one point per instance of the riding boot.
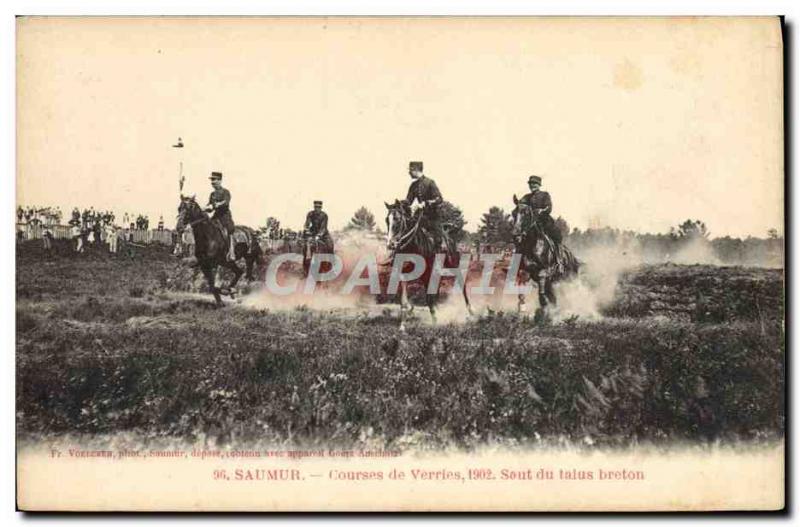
(232, 250)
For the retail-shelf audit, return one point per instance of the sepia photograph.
(408, 264)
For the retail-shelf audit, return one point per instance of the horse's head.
(522, 218)
(189, 211)
(397, 221)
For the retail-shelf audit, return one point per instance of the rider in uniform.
(317, 225)
(220, 203)
(542, 206)
(424, 191)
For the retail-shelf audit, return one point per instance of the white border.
(317, 7)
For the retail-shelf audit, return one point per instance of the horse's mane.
(414, 239)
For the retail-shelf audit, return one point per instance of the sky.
(633, 123)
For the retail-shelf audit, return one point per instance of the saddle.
(240, 235)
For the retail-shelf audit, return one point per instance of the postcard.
(400, 264)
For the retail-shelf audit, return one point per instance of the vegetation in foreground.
(115, 352)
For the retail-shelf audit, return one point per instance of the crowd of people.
(39, 215)
(87, 227)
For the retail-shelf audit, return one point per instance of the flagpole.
(181, 179)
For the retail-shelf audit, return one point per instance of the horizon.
(345, 228)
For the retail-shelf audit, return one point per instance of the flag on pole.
(181, 177)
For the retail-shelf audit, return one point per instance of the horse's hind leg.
(549, 292)
(543, 297)
(208, 272)
(237, 274)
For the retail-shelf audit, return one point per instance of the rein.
(404, 239)
(540, 234)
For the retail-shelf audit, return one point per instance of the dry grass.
(96, 356)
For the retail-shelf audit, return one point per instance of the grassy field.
(109, 345)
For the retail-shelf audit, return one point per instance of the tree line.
(495, 233)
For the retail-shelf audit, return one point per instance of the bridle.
(401, 241)
(533, 225)
(201, 219)
(520, 227)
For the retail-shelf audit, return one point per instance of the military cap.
(415, 165)
(535, 179)
(216, 175)
(317, 202)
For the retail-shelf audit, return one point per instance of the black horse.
(543, 260)
(315, 245)
(407, 235)
(211, 245)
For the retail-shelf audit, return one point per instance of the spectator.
(111, 238)
(98, 232)
(77, 236)
(47, 239)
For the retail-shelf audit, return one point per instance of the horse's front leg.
(522, 307)
(249, 260)
(209, 273)
(542, 285)
(237, 274)
(466, 300)
(403, 305)
(430, 300)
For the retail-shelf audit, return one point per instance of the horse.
(543, 260)
(406, 234)
(314, 245)
(211, 245)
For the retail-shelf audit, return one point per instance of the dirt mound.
(700, 293)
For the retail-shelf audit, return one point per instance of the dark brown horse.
(543, 260)
(316, 245)
(211, 245)
(407, 235)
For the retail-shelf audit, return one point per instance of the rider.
(424, 190)
(220, 203)
(542, 206)
(317, 225)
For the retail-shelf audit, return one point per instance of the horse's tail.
(255, 247)
(563, 263)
